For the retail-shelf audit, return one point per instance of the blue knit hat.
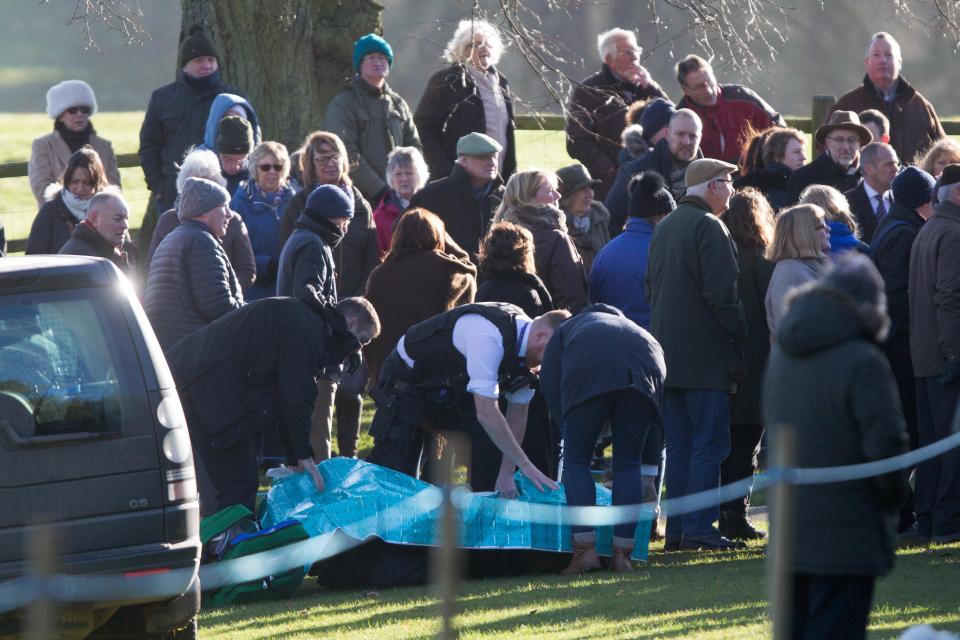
(329, 201)
(370, 43)
(913, 188)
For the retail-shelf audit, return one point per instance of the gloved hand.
(353, 362)
(951, 372)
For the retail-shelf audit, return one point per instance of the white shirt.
(872, 197)
(480, 342)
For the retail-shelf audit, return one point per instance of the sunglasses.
(75, 110)
(266, 167)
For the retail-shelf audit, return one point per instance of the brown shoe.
(585, 559)
(620, 562)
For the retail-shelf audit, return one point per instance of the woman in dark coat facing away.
(830, 381)
(471, 95)
(749, 219)
(508, 275)
(423, 274)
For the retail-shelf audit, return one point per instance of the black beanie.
(234, 135)
(649, 196)
(196, 45)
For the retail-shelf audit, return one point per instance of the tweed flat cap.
(477, 144)
(707, 169)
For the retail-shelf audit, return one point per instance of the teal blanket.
(365, 500)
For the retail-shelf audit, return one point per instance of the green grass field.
(17, 130)
(676, 595)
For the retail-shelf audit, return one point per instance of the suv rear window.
(64, 362)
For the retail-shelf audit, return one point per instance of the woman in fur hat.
(70, 105)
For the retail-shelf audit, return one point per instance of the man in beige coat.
(70, 105)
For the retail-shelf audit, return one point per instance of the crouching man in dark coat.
(448, 373)
(598, 367)
(255, 367)
(830, 382)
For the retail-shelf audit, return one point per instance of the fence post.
(780, 551)
(821, 107)
(446, 556)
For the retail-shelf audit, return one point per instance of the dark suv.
(94, 452)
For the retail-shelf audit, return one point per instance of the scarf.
(205, 84)
(77, 207)
(74, 139)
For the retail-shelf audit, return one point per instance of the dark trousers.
(231, 471)
(696, 427)
(399, 435)
(897, 350)
(937, 491)
(742, 462)
(349, 404)
(631, 415)
(826, 607)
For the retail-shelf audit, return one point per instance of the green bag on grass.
(241, 543)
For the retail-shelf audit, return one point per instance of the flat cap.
(705, 170)
(477, 144)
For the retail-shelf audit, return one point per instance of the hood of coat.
(547, 217)
(820, 317)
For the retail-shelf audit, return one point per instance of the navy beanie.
(913, 188)
(329, 201)
(656, 116)
(649, 196)
(370, 43)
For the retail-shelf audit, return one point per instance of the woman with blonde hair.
(530, 200)
(470, 95)
(945, 151)
(801, 242)
(844, 231)
(261, 201)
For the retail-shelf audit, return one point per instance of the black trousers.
(231, 472)
(897, 350)
(742, 461)
(399, 431)
(826, 607)
(937, 490)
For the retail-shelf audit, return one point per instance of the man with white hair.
(103, 233)
(914, 125)
(202, 163)
(699, 321)
(596, 108)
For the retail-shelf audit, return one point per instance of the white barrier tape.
(20, 592)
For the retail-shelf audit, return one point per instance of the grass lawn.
(676, 595)
(17, 130)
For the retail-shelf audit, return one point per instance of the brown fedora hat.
(844, 120)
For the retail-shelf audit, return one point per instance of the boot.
(585, 558)
(620, 562)
(736, 526)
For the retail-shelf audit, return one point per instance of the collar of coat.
(904, 91)
(362, 85)
(547, 217)
(460, 176)
(104, 248)
(697, 202)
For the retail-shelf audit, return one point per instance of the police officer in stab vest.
(448, 373)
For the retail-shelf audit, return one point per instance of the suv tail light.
(180, 476)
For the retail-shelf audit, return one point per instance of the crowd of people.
(696, 247)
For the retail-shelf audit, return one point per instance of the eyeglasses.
(723, 180)
(821, 227)
(850, 142)
(324, 160)
(267, 166)
(75, 110)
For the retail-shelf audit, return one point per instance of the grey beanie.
(198, 196)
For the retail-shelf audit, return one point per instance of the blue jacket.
(263, 223)
(220, 105)
(619, 270)
(843, 240)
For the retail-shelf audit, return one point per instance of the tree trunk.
(290, 57)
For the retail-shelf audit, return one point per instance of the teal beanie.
(370, 43)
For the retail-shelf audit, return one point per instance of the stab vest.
(437, 363)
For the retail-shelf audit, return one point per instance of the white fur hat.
(70, 93)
